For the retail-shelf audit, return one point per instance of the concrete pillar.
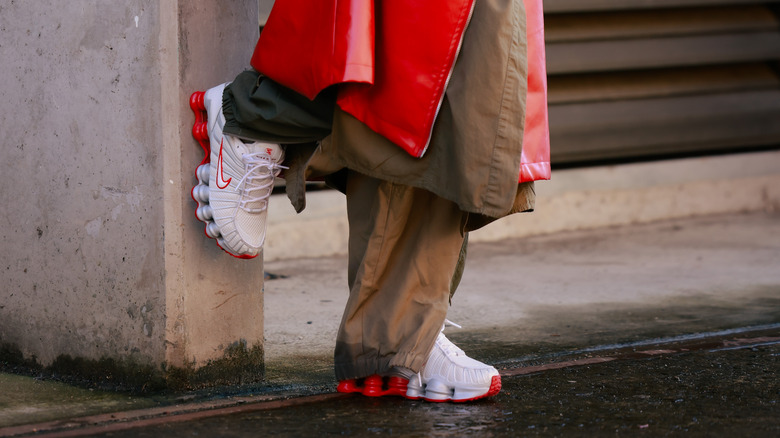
(107, 273)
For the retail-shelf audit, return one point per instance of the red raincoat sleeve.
(309, 45)
(535, 161)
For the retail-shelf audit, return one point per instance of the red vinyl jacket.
(394, 63)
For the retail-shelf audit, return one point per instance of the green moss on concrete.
(239, 365)
(12, 358)
(109, 373)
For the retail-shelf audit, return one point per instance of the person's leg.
(404, 247)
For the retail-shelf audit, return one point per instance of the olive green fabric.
(258, 108)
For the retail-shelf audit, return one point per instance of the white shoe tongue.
(449, 347)
(272, 150)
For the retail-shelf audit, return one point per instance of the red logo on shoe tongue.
(220, 172)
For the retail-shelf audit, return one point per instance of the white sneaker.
(234, 184)
(450, 375)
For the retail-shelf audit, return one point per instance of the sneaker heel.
(348, 386)
(199, 128)
(204, 213)
(212, 230)
(397, 386)
(200, 131)
(196, 101)
(372, 387)
(200, 193)
(202, 172)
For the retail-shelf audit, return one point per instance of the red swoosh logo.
(220, 172)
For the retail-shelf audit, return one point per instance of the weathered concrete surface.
(218, 300)
(102, 256)
(575, 199)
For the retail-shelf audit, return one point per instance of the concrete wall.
(103, 261)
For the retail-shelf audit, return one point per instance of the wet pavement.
(662, 329)
(726, 393)
(720, 384)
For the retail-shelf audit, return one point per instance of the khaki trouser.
(404, 242)
(404, 247)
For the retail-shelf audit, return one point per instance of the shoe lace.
(445, 344)
(448, 322)
(258, 181)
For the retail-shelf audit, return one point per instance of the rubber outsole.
(495, 388)
(375, 386)
(378, 386)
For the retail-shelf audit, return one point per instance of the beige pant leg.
(404, 245)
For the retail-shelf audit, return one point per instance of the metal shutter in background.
(641, 79)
